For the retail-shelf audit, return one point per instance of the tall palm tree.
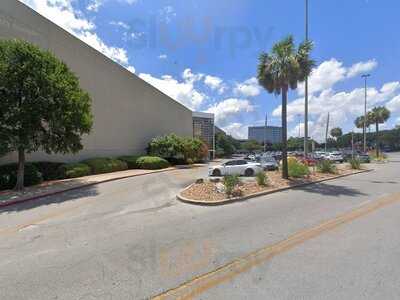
(280, 70)
(378, 116)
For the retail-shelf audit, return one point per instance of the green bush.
(73, 170)
(297, 169)
(105, 165)
(152, 163)
(262, 179)
(48, 169)
(355, 164)
(8, 176)
(178, 150)
(325, 166)
(230, 182)
(131, 161)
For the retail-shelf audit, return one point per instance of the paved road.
(131, 239)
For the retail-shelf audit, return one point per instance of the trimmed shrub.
(131, 161)
(8, 176)
(178, 149)
(262, 179)
(325, 166)
(48, 169)
(297, 169)
(152, 163)
(355, 164)
(105, 165)
(73, 170)
(230, 182)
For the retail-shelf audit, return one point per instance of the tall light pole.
(306, 97)
(365, 76)
(265, 132)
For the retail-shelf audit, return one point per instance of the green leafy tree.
(336, 132)
(252, 146)
(42, 105)
(378, 115)
(225, 145)
(280, 70)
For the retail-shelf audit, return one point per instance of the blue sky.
(204, 53)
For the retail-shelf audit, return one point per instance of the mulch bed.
(208, 191)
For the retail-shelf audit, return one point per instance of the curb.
(85, 185)
(238, 199)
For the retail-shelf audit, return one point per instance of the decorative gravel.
(208, 191)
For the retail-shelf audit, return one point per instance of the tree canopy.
(280, 70)
(42, 105)
(336, 132)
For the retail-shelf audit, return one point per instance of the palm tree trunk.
(21, 170)
(377, 140)
(285, 171)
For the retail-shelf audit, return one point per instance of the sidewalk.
(49, 188)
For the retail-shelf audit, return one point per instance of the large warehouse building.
(128, 112)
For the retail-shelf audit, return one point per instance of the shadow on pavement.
(331, 190)
(90, 191)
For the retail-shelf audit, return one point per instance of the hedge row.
(37, 172)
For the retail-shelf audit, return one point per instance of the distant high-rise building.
(271, 134)
(203, 128)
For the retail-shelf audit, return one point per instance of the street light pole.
(365, 76)
(306, 97)
(265, 132)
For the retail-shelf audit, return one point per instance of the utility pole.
(365, 76)
(352, 144)
(306, 97)
(326, 134)
(265, 132)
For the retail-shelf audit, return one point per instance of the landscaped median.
(212, 191)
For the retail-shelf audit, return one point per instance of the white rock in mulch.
(220, 187)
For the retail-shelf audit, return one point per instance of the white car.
(236, 167)
(335, 157)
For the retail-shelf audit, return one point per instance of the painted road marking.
(205, 282)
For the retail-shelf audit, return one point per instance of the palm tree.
(280, 70)
(378, 116)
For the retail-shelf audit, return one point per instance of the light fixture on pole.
(306, 97)
(365, 76)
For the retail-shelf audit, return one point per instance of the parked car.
(363, 157)
(335, 157)
(236, 167)
(268, 163)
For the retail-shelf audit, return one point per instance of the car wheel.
(216, 172)
(249, 173)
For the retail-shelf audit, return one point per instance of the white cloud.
(229, 108)
(215, 83)
(394, 104)
(182, 91)
(120, 24)
(248, 88)
(324, 76)
(62, 13)
(361, 68)
(343, 107)
(94, 5)
(332, 71)
(131, 69)
(167, 13)
(237, 130)
(163, 56)
(189, 76)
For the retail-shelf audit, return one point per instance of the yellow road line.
(200, 284)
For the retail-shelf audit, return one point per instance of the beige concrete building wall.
(127, 111)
